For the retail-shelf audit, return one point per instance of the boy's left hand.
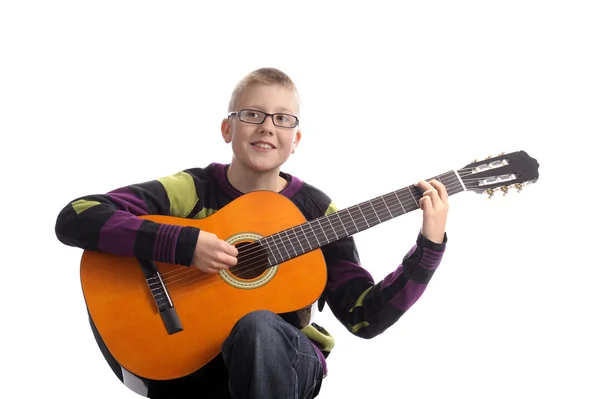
(434, 204)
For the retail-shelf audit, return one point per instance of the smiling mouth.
(263, 146)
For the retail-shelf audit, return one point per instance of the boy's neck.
(246, 181)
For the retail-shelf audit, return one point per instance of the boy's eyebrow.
(278, 109)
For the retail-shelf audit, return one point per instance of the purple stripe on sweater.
(158, 242)
(118, 234)
(162, 242)
(390, 278)
(165, 244)
(431, 259)
(126, 200)
(292, 188)
(433, 254)
(342, 271)
(411, 292)
(173, 248)
(173, 232)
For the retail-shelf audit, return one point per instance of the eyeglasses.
(258, 117)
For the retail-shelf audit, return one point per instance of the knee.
(257, 323)
(261, 329)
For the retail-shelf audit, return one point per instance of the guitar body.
(125, 312)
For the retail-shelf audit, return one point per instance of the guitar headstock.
(500, 173)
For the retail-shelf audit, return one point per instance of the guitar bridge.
(161, 296)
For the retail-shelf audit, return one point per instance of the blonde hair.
(262, 76)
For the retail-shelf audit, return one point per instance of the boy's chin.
(264, 167)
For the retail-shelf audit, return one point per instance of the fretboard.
(316, 233)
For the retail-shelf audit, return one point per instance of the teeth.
(263, 145)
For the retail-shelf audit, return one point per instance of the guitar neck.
(298, 240)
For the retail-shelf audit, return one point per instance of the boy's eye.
(282, 118)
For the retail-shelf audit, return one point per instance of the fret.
(327, 229)
(352, 219)
(379, 220)
(293, 246)
(335, 226)
(363, 215)
(308, 236)
(321, 227)
(269, 252)
(386, 207)
(342, 223)
(302, 250)
(399, 210)
(276, 246)
(283, 244)
(413, 196)
(357, 219)
(371, 203)
(307, 246)
(332, 228)
(314, 235)
(400, 202)
(277, 255)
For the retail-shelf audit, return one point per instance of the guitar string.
(215, 276)
(207, 280)
(244, 253)
(260, 260)
(253, 249)
(178, 273)
(453, 184)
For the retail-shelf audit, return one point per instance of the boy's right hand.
(213, 254)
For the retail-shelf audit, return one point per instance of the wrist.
(186, 245)
(438, 244)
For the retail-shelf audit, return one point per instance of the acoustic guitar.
(164, 321)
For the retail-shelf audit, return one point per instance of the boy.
(266, 355)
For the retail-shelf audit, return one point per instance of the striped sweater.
(108, 222)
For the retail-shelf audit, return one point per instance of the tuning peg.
(488, 157)
(501, 154)
(475, 160)
(490, 192)
(504, 189)
(519, 187)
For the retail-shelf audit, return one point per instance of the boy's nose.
(266, 130)
(267, 126)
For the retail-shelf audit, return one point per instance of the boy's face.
(245, 138)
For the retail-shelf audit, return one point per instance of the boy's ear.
(296, 140)
(226, 130)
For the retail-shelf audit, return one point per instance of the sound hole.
(253, 260)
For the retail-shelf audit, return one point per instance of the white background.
(96, 95)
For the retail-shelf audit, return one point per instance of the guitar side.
(126, 315)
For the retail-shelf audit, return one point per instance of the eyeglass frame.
(237, 113)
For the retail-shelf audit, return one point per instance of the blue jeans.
(266, 357)
(263, 357)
